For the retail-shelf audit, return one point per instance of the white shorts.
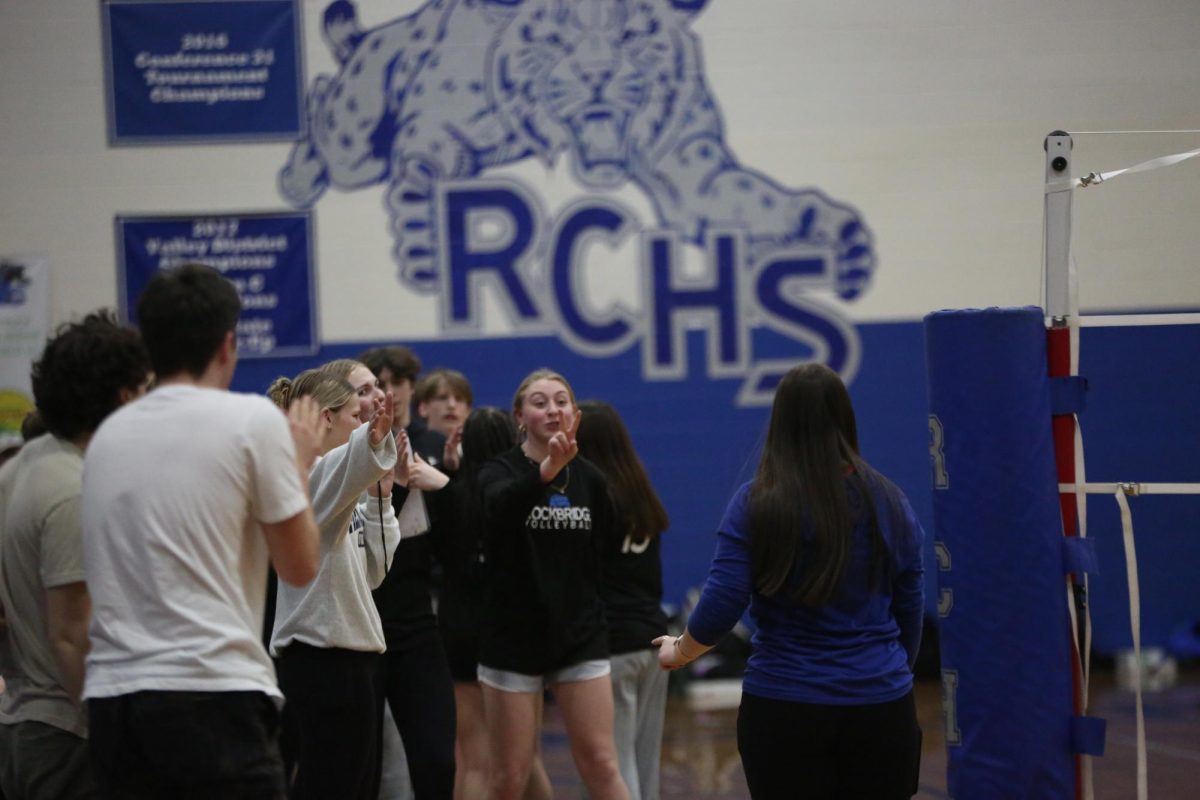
(507, 681)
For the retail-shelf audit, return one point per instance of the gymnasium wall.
(889, 159)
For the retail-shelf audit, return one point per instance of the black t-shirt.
(631, 588)
(460, 537)
(461, 600)
(543, 609)
(404, 599)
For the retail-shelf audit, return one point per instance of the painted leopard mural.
(460, 86)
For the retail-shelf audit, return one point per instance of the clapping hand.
(424, 476)
(400, 473)
(414, 472)
(450, 457)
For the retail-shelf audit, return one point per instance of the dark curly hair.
(78, 380)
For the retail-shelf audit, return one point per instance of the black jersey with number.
(631, 589)
(543, 609)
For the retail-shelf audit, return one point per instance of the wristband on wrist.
(679, 649)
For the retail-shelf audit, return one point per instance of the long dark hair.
(487, 433)
(800, 514)
(605, 442)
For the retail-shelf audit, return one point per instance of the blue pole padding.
(1004, 625)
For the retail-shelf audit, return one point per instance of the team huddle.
(221, 595)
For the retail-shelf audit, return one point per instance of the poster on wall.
(267, 257)
(218, 70)
(24, 320)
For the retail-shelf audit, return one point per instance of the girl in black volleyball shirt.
(487, 432)
(546, 512)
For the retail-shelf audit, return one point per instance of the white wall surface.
(927, 116)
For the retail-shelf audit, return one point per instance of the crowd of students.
(135, 539)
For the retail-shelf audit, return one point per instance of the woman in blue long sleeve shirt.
(827, 554)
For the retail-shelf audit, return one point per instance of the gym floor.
(700, 758)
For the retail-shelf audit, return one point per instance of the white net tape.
(1096, 178)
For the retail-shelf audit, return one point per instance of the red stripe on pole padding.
(1058, 356)
(1058, 351)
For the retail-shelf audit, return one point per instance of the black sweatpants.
(414, 680)
(172, 745)
(807, 751)
(330, 710)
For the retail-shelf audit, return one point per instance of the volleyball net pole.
(1061, 298)
(1062, 350)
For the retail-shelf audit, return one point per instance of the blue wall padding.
(1005, 635)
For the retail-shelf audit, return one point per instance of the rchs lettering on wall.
(427, 103)
(731, 299)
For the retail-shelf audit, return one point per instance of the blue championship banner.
(267, 257)
(225, 70)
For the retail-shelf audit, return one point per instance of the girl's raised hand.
(563, 448)
(573, 428)
(450, 452)
(304, 419)
(381, 420)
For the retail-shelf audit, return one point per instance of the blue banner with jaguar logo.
(202, 71)
(267, 257)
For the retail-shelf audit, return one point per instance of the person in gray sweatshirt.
(327, 635)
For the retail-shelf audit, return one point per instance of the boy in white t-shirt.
(186, 494)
